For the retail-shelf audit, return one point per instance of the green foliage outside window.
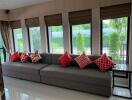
(35, 38)
(1, 51)
(56, 39)
(81, 38)
(1, 42)
(18, 39)
(80, 43)
(114, 46)
(118, 36)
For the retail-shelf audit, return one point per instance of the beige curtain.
(4, 30)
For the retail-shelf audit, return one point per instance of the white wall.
(60, 6)
(96, 31)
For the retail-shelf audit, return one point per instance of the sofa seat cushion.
(72, 73)
(23, 67)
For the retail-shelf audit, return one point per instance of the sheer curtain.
(4, 30)
(5, 35)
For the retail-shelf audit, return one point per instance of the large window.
(35, 38)
(115, 31)
(55, 34)
(80, 25)
(34, 33)
(81, 38)
(18, 40)
(114, 38)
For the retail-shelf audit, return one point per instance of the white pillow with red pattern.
(83, 60)
(35, 57)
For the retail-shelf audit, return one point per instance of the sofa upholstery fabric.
(27, 71)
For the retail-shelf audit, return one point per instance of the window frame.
(29, 39)
(48, 44)
(128, 34)
(71, 44)
(13, 37)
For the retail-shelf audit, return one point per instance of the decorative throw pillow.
(83, 60)
(104, 62)
(15, 57)
(35, 57)
(24, 57)
(65, 59)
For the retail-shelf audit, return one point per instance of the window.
(18, 39)
(17, 35)
(81, 38)
(55, 33)
(56, 39)
(80, 25)
(34, 34)
(35, 38)
(115, 31)
(114, 38)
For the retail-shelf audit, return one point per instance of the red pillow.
(35, 57)
(15, 57)
(83, 60)
(104, 62)
(24, 57)
(65, 59)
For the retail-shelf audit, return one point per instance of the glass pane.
(35, 38)
(2, 55)
(81, 38)
(18, 40)
(115, 38)
(1, 51)
(56, 39)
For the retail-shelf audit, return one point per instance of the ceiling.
(13, 4)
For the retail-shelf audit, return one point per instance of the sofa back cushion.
(92, 58)
(46, 58)
(55, 58)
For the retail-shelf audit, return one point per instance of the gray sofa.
(26, 71)
(49, 72)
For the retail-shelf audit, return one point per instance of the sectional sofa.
(49, 72)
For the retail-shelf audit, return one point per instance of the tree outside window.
(35, 38)
(81, 38)
(18, 39)
(115, 38)
(56, 42)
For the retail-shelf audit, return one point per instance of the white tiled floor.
(25, 90)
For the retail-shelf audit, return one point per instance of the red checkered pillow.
(24, 57)
(83, 60)
(35, 57)
(65, 59)
(104, 63)
(15, 57)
